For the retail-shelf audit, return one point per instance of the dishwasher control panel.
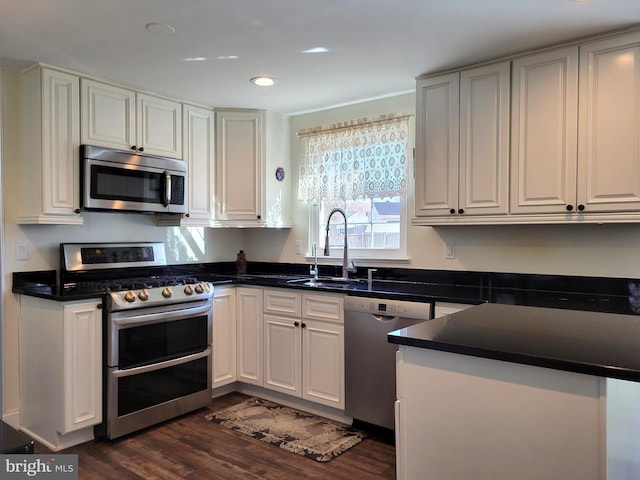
(391, 308)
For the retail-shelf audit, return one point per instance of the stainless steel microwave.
(130, 182)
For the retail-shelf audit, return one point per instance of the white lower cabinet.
(224, 337)
(250, 335)
(323, 363)
(60, 370)
(304, 345)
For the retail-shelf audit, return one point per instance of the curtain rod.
(352, 124)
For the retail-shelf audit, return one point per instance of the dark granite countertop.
(592, 343)
(566, 292)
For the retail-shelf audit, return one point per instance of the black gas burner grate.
(125, 284)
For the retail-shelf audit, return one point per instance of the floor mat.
(290, 429)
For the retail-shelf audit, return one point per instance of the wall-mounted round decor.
(279, 174)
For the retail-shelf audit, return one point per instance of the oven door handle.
(135, 319)
(158, 366)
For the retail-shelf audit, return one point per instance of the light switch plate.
(449, 250)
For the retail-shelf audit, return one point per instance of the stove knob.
(207, 287)
(188, 290)
(130, 297)
(143, 295)
(166, 292)
(199, 288)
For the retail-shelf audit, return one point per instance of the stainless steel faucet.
(346, 265)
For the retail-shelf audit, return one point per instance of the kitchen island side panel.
(467, 417)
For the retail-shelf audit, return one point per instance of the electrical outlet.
(22, 251)
(449, 250)
(298, 247)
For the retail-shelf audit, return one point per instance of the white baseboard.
(12, 418)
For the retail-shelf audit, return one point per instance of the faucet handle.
(352, 267)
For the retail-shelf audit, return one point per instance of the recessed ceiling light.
(195, 59)
(263, 81)
(316, 50)
(228, 57)
(160, 28)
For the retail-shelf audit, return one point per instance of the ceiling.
(376, 48)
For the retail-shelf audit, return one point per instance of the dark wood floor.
(190, 447)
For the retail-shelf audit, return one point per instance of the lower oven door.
(143, 396)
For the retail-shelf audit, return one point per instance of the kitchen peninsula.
(519, 392)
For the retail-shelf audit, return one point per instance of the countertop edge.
(512, 357)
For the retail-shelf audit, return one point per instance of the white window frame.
(359, 255)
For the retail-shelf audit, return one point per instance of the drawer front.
(329, 308)
(282, 302)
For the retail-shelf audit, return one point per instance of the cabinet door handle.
(461, 211)
(141, 149)
(581, 207)
(452, 211)
(304, 325)
(569, 208)
(296, 324)
(133, 147)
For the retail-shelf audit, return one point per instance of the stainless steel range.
(157, 330)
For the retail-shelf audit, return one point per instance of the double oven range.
(156, 331)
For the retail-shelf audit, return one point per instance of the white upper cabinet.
(252, 163)
(437, 124)
(199, 153)
(117, 117)
(462, 143)
(49, 147)
(569, 153)
(609, 146)
(544, 129)
(240, 149)
(484, 140)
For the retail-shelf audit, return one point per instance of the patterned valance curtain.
(366, 158)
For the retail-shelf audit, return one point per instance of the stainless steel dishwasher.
(370, 361)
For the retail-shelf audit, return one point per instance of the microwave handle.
(167, 188)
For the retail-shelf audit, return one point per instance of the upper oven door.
(134, 183)
(151, 335)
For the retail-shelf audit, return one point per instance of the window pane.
(372, 224)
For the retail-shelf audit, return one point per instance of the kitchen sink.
(274, 276)
(335, 282)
